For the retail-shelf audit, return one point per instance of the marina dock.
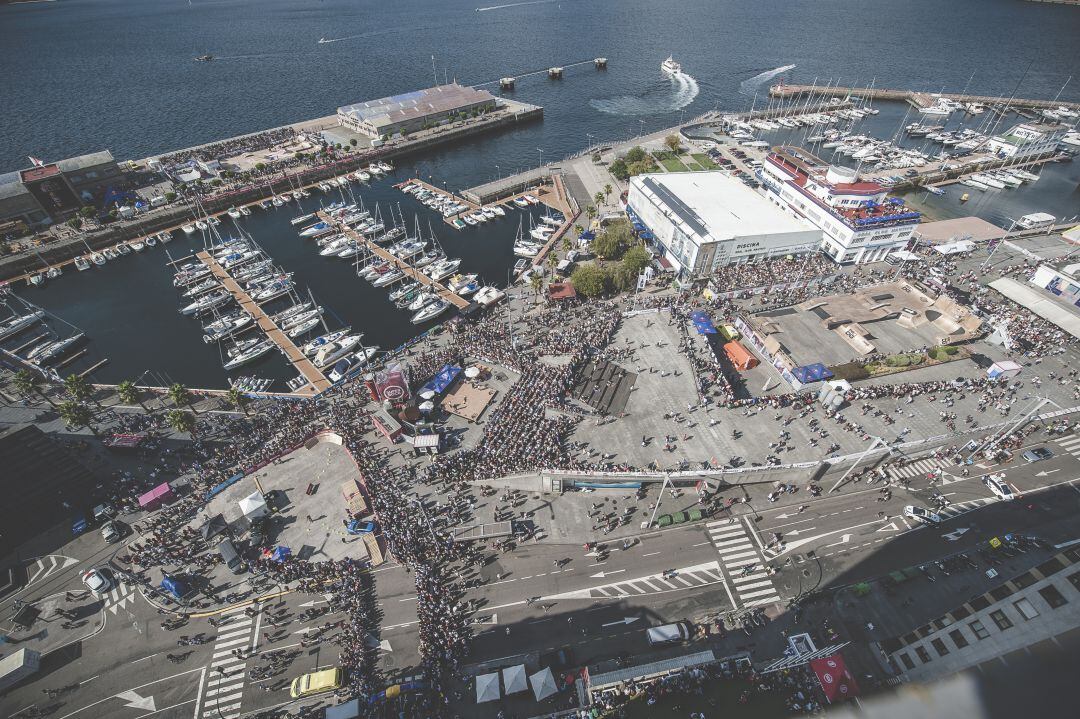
(408, 270)
(317, 381)
(918, 99)
(472, 206)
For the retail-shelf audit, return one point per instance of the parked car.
(111, 532)
(97, 581)
(921, 515)
(998, 487)
(1037, 454)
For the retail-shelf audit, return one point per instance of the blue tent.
(175, 587)
(218, 489)
(811, 373)
(587, 235)
(280, 554)
(442, 380)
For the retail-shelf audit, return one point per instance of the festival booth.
(254, 506)
(740, 356)
(124, 441)
(812, 373)
(174, 586)
(562, 291)
(441, 381)
(952, 248)
(514, 679)
(543, 684)
(703, 323)
(159, 495)
(280, 554)
(1005, 369)
(835, 679)
(487, 687)
(214, 526)
(386, 424)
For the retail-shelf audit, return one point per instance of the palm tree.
(129, 393)
(607, 189)
(181, 395)
(590, 211)
(536, 283)
(77, 387)
(181, 421)
(566, 244)
(552, 261)
(237, 399)
(28, 383)
(598, 198)
(77, 414)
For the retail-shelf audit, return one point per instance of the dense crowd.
(232, 148)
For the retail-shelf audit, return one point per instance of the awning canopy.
(904, 255)
(514, 679)
(254, 506)
(1040, 303)
(487, 687)
(811, 373)
(214, 526)
(442, 380)
(543, 684)
(951, 248)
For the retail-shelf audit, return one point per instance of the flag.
(36, 162)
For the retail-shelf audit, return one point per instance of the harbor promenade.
(317, 381)
(408, 270)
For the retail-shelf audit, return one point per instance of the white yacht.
(670, 66)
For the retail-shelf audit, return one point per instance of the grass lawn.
(724, 698)
(704, 160)
(673, 164)
(693, 167)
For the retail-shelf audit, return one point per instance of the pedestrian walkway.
(1071, 444)
(118, 597)
(683, 578)
(225, 683)
(743, 564)
(955, 510)
(919, 468)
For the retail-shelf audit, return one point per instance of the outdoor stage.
(468, 399)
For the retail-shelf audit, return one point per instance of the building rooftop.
(416, 104)
(959, 228)
(1041, 303)
(11, 185)
(40, 173)
(93, 159)
(717, 205)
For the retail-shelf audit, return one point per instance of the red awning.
(835, 679)
(665, 263)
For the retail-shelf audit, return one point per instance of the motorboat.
(488, 296)
(532, 199)
(151, 241)
(138, 245)
(543, 234)
(249, 355)
(226, 327)
(421, 301)
(206, 303)
(340, 370)
(404, 290)
(374, 270)
(246, 211)
(432, 255)
(302, 219)
(524, 248)
(53, 272)
(385, 166)
(469, 220)
(458, 223)
(331, 352)
(14, 325)
(272, 291)
(351, 250)
(430, 312)
(234, 213)
(388, 278)
(312, 347)
(319, 228)
(498, 210)
(240, 258)
(51, 350)
(460, 283)
(277, 201)
(335, 246)
(971, 182)
(98, 259)
(243, 346)
(302, 328)
(202, 226)
(81, 264)
(124, 248)
(188, 229)
(111, 254)
(554, 222)
(521, 202)
(670, 67)
(374, 169)
(266, 205)
(442, 269)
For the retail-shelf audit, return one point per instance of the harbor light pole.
(871, 448)
(541, 151)
(1000, 242)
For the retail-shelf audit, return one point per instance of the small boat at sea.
(312, 347)
(188, 229)
(51, 350)
(81, 264)
(14, 325)
(138, 245)
(430, 312)
(671, 67)
(250, 354)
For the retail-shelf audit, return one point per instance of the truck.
(17, 666)
(677, 632)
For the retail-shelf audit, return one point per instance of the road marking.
(113, 696)
(650, 554)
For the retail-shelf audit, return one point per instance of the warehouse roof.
(412, 105)
(1040, 303)
(716, 205)
(82, 162)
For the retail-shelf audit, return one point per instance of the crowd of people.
(232, 148)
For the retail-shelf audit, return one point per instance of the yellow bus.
(326, 680)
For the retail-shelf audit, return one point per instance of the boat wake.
(747, 87)
(516, 4)
(678, 94)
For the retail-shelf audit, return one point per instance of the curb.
(239, 605)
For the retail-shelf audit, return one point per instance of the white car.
(96, 581)
(921, 515)
(998, 487)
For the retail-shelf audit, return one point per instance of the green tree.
(619, 169)
(591, 211)
(181, 395)
(29, 383)
(636, 259)
(129, 393)
(77, 387)
(635, 154)
(598, 198)
(77, 414)
(237, 399)
(536, 283)
(552, 262)
(624, 278)
(260, 166)
(566, 244)
(607, 189)
(641, 168)
(354, 142)
(613, 241)
(181, 421)
(672, 143)
(86, 212)
(170, 196)
(75, 222)
(596, 158)
(591, 281)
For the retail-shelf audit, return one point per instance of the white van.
(667, 633)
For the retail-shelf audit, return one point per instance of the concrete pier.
(918, 99)
(317, 381)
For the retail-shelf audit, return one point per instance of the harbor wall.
(875, 93)
(170, 218)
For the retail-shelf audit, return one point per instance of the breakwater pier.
(918, 99)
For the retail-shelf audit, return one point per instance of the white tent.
(254, 506)
(472, 372)
(543, 684)
(487, 687)
(951, 248)
(514, 679)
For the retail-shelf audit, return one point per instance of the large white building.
(860, 222)
(413, 111)
(1027, 139)
(702, 220)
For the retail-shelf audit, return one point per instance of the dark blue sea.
(83, 75)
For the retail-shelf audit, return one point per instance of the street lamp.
(541, 151)
(871, 448)
(999, 243)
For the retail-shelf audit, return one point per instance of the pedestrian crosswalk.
(224, 687)
(1071, 444)
(119, 597)
(918, 468)
(742, 563)
(692, 577)
(958, 508)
